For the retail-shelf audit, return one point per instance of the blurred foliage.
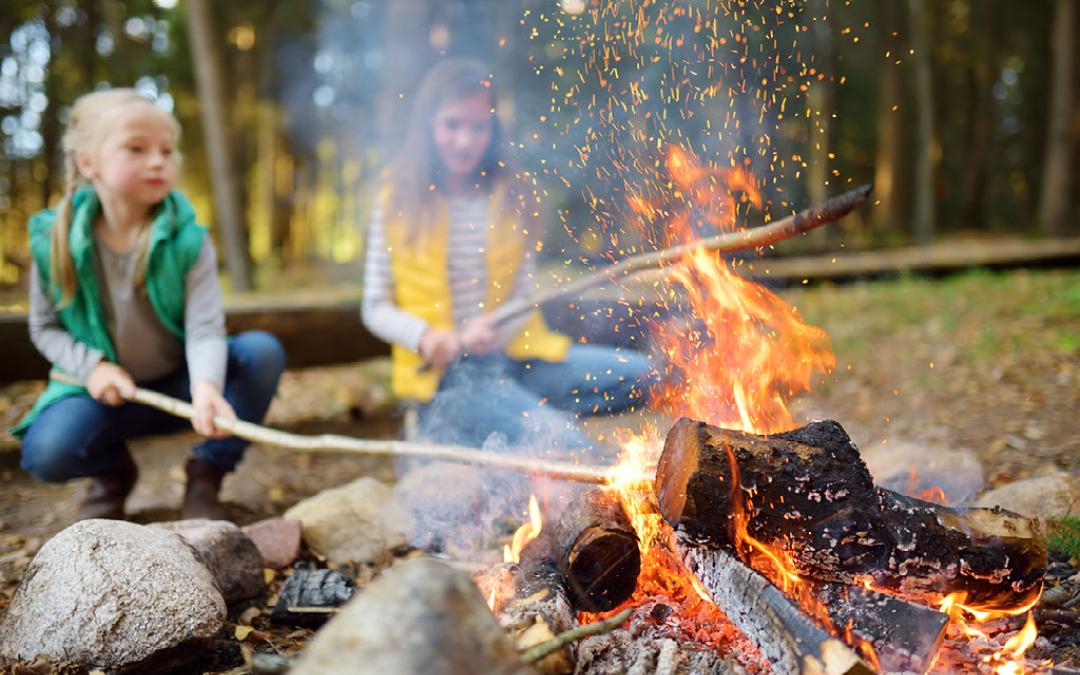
(594, 91)
(1065, 536)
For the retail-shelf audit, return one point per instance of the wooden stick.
(606, 626)
(803, 221)
(580, 473)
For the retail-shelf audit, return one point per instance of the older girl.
(449, 241)
(124, 291)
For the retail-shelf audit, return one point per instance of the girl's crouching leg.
(73, 438)
(256, 361)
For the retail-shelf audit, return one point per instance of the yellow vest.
(422, 288)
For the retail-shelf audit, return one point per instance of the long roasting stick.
(803, 221)
(580, 473)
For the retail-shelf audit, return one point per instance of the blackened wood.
(791, 641)
(319, 588)
(904, 636)
(539, 609)
(598, 552)
(808, 492)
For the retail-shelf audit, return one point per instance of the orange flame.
(524, 534)
(749, 353)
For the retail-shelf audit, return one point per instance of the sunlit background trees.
(963, 112)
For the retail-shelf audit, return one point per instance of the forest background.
(962, 112)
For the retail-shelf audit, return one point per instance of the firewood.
(791, 641)
(904, 637)
(539, 611)
(598, 552)
(808, 493)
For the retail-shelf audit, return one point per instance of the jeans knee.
(47, 458)
(262, 353)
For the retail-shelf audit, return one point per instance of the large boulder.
(115, 596)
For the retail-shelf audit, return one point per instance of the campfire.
(742, 537)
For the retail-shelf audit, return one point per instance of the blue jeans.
(78, 436)
(534, 402)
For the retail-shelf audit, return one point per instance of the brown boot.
(106, 495)
(201, 493)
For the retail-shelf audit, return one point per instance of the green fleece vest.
(175, 242)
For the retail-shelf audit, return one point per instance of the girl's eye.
(167, 151)
(480, 127)
(452, 125)
(135, 148)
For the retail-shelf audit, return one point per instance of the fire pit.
(776, 552)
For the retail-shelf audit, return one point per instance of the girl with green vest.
(124, 292)
(451, 239)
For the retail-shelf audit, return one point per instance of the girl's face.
(136, 161)
(462, 132)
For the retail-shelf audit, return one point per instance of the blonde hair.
(92, 117)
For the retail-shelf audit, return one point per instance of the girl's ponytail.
(61, 265)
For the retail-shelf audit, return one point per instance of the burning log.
(808, 494)
(598, 552)
(903, 637)
(539, 609)
(792, 643)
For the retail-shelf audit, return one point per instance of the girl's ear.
(84, 162)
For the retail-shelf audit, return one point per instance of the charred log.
(808, 493)
(791, 641)
(902, 637)
(598, 552)
(539, 609)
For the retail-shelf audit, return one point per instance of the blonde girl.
(124, 292)
(448, 242)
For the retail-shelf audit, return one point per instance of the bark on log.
(540, 610)
(792, 642)
(598, 552)
(808, 493)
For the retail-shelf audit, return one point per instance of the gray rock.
(232, 557)
(915, 469)
(115, 596)
(355, 522)
(1049, 496)
(277, 539)
(423, 618)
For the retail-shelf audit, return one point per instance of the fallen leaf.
(242, 632)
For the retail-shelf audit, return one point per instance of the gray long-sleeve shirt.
(144, 347)
(467, 235)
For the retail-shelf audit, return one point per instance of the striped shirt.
(466, 266)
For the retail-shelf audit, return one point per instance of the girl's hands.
(440, 348)
(110, 384)
(478, 337)
(209, 403)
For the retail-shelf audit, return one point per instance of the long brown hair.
(416, 168)
(92, 116)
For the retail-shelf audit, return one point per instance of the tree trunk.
(408, 56)
(925, 146)
(1057, 171)
(981, 104)
(889, 176)
(224, 176)
(820, 98)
